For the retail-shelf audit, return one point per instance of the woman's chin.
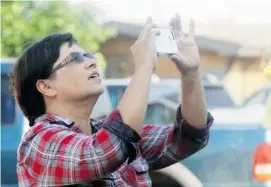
(97, 90)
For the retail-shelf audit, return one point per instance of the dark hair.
(36, 63)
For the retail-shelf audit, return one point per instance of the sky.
(240, 11)
(247, 22)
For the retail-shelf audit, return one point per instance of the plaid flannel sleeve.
(163, 146)
(58, 156)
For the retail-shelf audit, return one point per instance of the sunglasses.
(76, 57)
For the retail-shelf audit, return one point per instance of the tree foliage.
(26, 21)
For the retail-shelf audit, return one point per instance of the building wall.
(210, 64)
(118, 57)
(239, 81)
(243, 81)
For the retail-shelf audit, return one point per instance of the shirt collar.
(55, 119)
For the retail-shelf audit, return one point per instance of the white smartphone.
(165, 42)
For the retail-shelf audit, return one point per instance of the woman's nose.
(90, 63)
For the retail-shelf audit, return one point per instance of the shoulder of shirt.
(96, 123)
(45, 125)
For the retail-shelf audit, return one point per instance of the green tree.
(26, 21)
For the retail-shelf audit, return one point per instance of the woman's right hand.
(143, 50)
(133, 104)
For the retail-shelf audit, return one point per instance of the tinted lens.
(90, 55)
(77, 57)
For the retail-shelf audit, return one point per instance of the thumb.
(175, 58)
(178, 60)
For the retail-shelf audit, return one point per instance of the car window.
(159, 114)
(215, 97)
(175, 97)
(117, 91)
(8, 113)
(257, 99)
(268, 95)
(156, 113)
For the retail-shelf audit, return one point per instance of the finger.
(178, 59)
(178, 25)
(154, 33)
(172, 24)
(153, 48)
(192, 27)
(178, 22)
(146, 29)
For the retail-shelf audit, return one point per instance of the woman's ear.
(45, 88)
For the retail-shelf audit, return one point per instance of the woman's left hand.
(188, 59)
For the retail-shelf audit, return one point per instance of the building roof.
(254, 38)
(214, 45)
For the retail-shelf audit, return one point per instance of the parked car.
(12, 127)
(252, 110)
(259, 98)
(176, 175)
(238, 150)
(216, 95)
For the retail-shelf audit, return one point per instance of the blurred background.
(234, 39)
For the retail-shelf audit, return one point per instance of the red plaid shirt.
(55, 152)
